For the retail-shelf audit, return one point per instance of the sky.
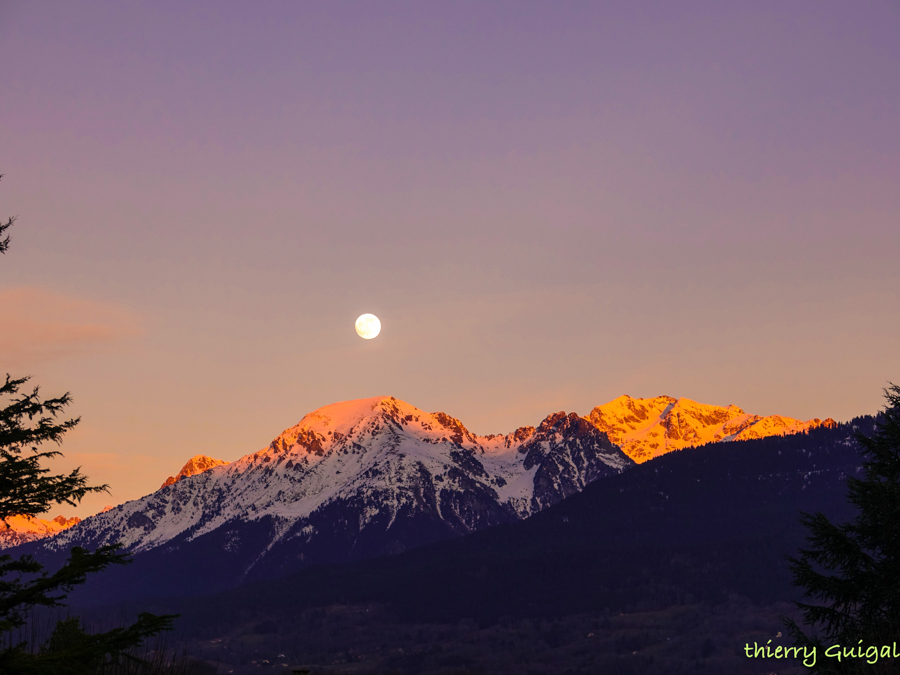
(548, 205)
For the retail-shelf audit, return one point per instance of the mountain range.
(377, 476)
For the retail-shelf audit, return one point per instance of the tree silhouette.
(852, 571)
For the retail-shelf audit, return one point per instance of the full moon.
(368, 326)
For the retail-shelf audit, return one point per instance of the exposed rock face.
(196, 464)
(564, 449)
(649, 427)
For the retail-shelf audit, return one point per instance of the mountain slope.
(351, 480)
(646, 428)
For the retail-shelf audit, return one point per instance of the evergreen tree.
(852, 571)
(24, 488)
(27, 488)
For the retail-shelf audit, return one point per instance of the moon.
(368, 326)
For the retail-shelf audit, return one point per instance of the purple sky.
(547, 204)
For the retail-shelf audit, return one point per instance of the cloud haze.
(38, 325)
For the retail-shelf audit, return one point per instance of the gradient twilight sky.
(547, 204)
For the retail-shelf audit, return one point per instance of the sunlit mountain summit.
(196, 464)
(649, 427)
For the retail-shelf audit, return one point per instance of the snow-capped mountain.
(355, 479)
(22, 529)
(649, 427)
(196, 464)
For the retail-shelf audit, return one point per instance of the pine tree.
(851, 571)
(24, 488)
(27, 488)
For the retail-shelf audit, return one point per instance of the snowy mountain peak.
(344, 416)
(356, 424)
(648, 428)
